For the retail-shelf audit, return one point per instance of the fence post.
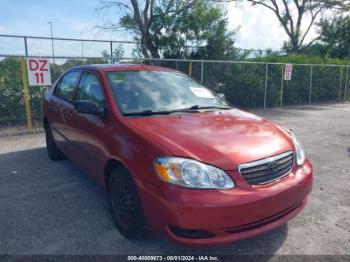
(310, 88)
(190, 69)
(26, 46)
(346, 82)
(341, 82)
(111, 50)
(202, 71)
(26, 94)
(282, 86)
(266, 76)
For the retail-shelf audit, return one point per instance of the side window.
(66, 86)
(90, 89)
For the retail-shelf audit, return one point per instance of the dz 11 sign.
(288, 69)
(38, 72)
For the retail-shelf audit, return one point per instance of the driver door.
(90, 130)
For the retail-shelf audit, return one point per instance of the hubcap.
(124, 205)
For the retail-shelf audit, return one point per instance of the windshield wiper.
(148, 113)
(168, 112)
(192, 109)
(197, 107)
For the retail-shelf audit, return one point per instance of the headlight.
(299, 151)
(190, 173)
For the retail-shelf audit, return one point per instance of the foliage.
(244, 84)
(117, 54)
(171, 27)
(201, 24)
(301, 59)
(11, 94)
(335, 34)
(219, 44)
(12, 110)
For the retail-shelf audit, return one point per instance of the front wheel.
(125, 204)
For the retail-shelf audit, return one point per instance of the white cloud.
(259, 27)
(2, 30)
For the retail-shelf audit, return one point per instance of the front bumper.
(229, 215)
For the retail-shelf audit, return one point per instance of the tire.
(52, 149)
(125, 204)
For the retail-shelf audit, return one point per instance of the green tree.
(11, 94)
(219, 44)
(335, 36)
(173, 27)
(12, 109)
(117, 53)
(202, 25)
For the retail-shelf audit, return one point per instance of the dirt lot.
(53, 208)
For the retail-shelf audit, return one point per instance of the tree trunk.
(144, 46)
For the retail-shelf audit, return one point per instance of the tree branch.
(137, 14)
(311, 43)
(151, 14)
(313, 18)
(280, 18)
(255, 2)
(291, 22)
(145, 13)
(105, 4)
(185, 7)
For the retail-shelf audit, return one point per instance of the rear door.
(62, 110)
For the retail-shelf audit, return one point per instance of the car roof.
(123, 67)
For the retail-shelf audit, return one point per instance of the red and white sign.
(39, 72)
(288, 70)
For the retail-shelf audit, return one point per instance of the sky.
(258, 27)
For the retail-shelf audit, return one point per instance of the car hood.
(221, 138)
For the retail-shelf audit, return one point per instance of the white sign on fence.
(288, 69)
(38, 72)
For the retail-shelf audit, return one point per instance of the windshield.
(155, 91)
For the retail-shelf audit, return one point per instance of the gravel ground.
(53, 208)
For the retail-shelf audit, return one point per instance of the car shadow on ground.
(54, 208)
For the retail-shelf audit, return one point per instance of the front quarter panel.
(135, 151)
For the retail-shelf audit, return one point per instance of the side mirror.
(221, 95)
(87, 107)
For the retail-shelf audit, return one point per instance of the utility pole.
(53, 49)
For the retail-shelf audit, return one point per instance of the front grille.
(267, 170)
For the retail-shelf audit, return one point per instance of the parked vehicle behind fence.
(173, 156)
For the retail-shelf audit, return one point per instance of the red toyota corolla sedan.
(173, 156)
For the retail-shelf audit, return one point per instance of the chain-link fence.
(245, 84)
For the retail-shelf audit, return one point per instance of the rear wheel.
(125, 204)
(52, 149)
